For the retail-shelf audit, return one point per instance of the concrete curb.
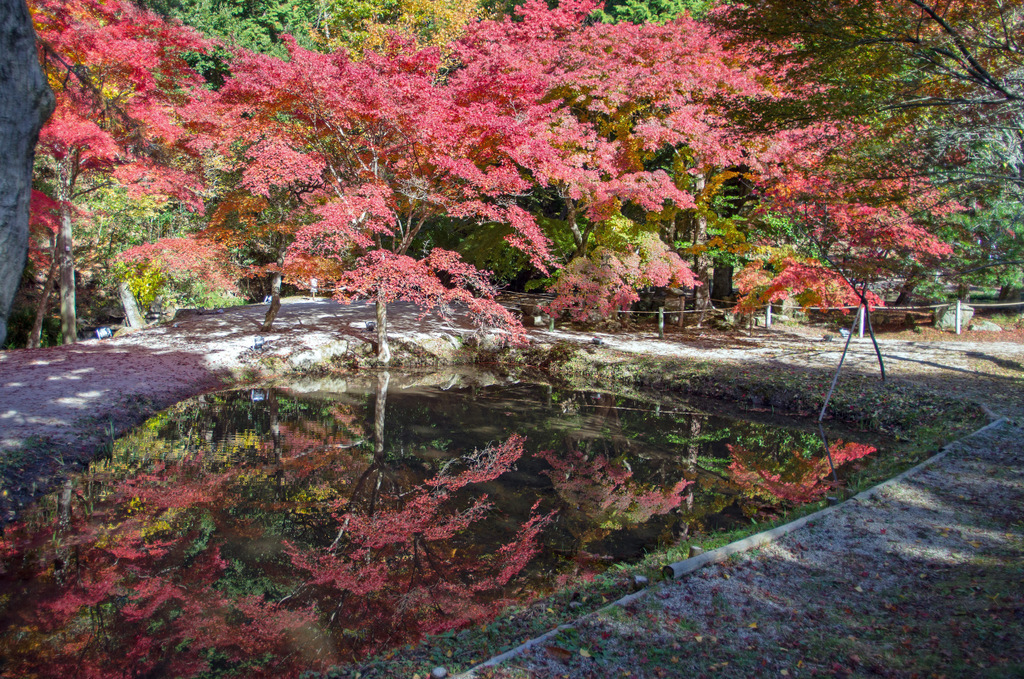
(687, 566)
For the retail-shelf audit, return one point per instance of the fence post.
(661, 322)
(958, 317)
(768, 316)
(863, 311)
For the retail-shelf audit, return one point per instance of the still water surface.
(257, 532)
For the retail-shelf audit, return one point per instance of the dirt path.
(920, 580)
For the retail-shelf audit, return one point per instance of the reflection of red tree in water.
(126, 593)
(167, 581)
(803, 480)
(605, 490)
(403, 569)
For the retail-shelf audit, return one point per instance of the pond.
(265, 531)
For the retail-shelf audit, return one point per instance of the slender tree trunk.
(61, 562)
(132, 315)
(693, 452)
(702, 261)
(35, 339)
(25, 103)
(66, 257)
(275, 301)
(383, 350)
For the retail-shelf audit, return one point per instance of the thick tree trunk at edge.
(25, 103)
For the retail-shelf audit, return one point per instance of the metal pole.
(958, 317)
(768, 317)
(861, 313)
(661, 322)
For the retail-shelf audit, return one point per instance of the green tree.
(650, 11)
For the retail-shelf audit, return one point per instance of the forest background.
(209, 153)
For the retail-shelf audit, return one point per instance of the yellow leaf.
(725, 575)
(799, 664)
(752, 625)
(551, 610)
(784, 673)
(858, 588)
(585, 653)
(698, 638)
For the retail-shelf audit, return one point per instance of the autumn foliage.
(162, 580)
(805, 480)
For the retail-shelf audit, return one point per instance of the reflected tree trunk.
(275, 437)
(693, 452)
(61, 563)
(380, 403)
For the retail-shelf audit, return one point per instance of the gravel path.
(922, 579)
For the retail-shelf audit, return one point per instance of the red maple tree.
(621, 120)
(385, 147)
(126, 98)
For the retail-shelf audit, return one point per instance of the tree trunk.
(721, 286)
(702, 261)
(132, 315)
(383, 350)
(693, 452)
(1009, 293)
(578, 237)
(35, 339)
(66, 258)
(275, 302)
(383, 380)
(25, 103)
(906, 290)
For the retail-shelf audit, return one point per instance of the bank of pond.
(265, 532)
